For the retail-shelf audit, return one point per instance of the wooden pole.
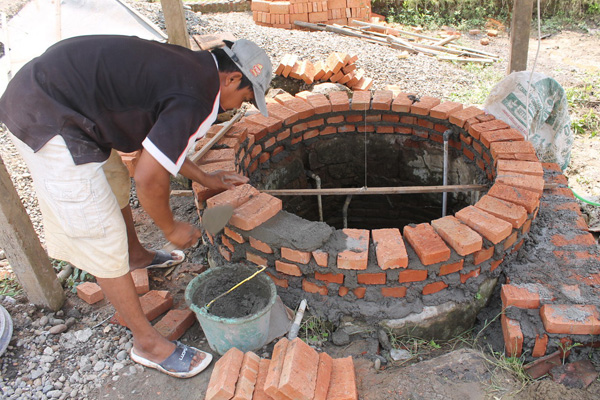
(175, 22)
(519, 35)
(25, 254)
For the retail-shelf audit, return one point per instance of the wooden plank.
(24, 251)
(519, 35)
(175, 22)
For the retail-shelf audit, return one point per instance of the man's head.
(247, 64)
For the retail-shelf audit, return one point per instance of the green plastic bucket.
(246, 332)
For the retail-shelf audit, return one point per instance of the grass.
(10, 287)
(314, 330)
(584, 104)
(487, 78)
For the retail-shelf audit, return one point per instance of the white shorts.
(83, 222)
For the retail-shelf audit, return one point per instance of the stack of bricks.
(283, 14)
(457, 253)
(337, 68)
(296, 371)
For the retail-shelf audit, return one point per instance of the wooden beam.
(519, 35)
(175, 22)
(25, 254)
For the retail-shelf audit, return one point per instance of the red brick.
(541, 343)
(397, 292)
(424, 105)
(434, 287)
(357, 252)
(225, 253)
(299, 372)
(140, 280)
(402, 103)
(320, 103)
(343, 291)
(511, 240)
(459, 117)
(382, 100)
(412, 275)
(389, 248)
(443, 110)
(286, 268)
(495, 264)
(332, 278)
(361, 100)
(372, 279)
(247, 377)
(586, 239)
(343, 380)
(508, 150)
(263, 370)
(427, 244)
(225, 375)
(520, 297)
(473, 274)
(503, 135)
(505, 210)
(302, 257)
(227, 244)
(529, 182)
(476, 130)
(271, 386)
(287, 116)
(255, 211)
(314, 288)
(233, 235)
(360, 292)
(339, 101)
(256, 259)
(462, 238)
(451, 268)
(279, 282)
(89, 292)
(513, 336)
(302, 108)
(523, 197)
(175, 323)
(260, 245)
(154, 303)
(234, 197)
(570, 319)
(321, 258)
(483, 255)
(323, 376)
(218, 156)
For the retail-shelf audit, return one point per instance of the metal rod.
(345, 210)
(319, 198)
(376, 190)
(445, 178)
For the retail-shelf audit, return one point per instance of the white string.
(365, 148)
(534, 64)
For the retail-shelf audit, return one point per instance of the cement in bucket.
(240, 319)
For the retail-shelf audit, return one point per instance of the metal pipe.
(345, 210)
(293, 333)
(319, 199)
(445, 178)
(375, 190)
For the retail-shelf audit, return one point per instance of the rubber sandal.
(178, 363)
(163, 259)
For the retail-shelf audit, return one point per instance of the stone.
(340, 337)
(400, 354)
(55, 330)
(578, 374)
(384, 340)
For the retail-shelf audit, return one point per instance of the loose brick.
(154, 303)
(570, 319)
(321, 258)
(459, 117)
(244, 388)
(357, 250)
(263, 370)
(523, 197)
(89, 292)
(443, 110)
(343, 380)
(225, 375)
(288, 269)
(476, 130)
(299, 373)
(502, 135)
(424, 105)
(434, 287)
(513, 336)
(175, 323)
(323, 376)
(427, 244)
(529, 182)
(233, 197)
(520, 297)
(492, 228)
(462, 238)
(412, 275)
(505, 210)
(140, 280)
(255, 211)
(271, 386)
(302, 257)
(389, 248)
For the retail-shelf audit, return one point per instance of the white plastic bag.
(549, 123)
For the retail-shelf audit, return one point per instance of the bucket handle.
(262, 268)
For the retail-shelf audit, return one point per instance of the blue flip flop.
(178, 364)
(164, 259)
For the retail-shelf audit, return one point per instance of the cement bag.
(549, 122)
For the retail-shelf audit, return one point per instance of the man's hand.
(183, 235)
(222, 180)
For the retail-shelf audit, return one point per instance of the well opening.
(391, 161)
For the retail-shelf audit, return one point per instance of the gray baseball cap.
(255, 64)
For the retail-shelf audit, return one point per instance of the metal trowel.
(215, 218)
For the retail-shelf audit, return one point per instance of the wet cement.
(248, 299)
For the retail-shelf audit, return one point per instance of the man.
(84, 98)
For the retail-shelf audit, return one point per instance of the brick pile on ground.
(295, 371)
(283, 14)
(337, 68)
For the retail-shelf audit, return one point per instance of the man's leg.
(139, 257)
(147, 342)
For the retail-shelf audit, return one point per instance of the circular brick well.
(399, 263)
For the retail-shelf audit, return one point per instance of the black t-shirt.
(114, 92)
